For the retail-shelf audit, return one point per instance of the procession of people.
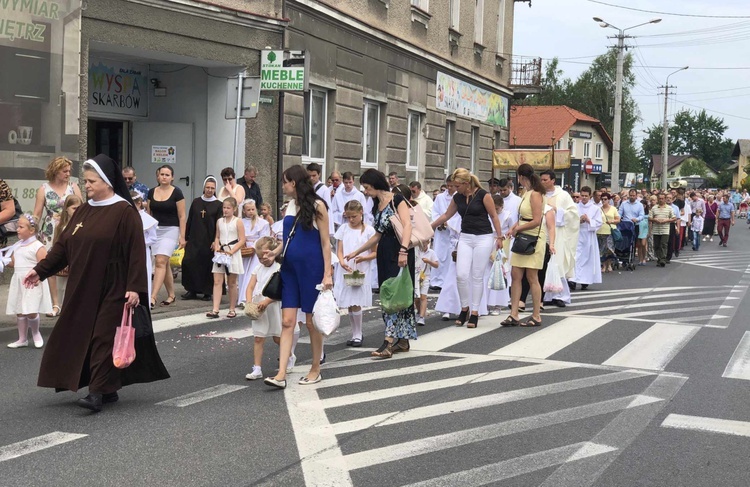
(494, 244)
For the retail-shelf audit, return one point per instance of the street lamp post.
(665, 133)
(618, 96)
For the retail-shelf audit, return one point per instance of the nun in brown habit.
(103, 245)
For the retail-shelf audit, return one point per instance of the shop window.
(316, 108)
(474, 148)
(370, 133)
(598, 150)
(413, 145)
(450, 147)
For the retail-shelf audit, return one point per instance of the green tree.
(593, 93)
(693, 167)
(695, 133)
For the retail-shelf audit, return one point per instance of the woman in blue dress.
(306, 263)
(392, 255)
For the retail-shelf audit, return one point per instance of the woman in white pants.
(475, 207)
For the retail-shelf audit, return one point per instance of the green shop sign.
(282, 71)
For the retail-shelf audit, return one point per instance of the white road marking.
(396, 452)
(32, 445)
(650, 296)
(200, 396)
(489, 474)
(453, 407)
(173, 323)
(739, 365)
(654, 348)
(641, 305)
(724, 321)
(673, 310)
(234, 334)
(453, 335)
(709, 425)
(550, 340)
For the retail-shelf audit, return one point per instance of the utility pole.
(665, 131)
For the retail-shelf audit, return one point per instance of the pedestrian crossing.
(723, 259)
(466, 408)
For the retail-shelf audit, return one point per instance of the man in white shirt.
(344, 195)
(314, 170)
(511, 201)
(335, 178)
(442, 240)
(393, 179)
(587, 265)
(421, 198)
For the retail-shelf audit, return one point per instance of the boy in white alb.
(425, 261)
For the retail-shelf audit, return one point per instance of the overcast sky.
(565, 29)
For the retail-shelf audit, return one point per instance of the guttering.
(405, 46)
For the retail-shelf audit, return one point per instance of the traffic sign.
(589, 167)
(250, 96)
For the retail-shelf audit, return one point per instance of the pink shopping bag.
(123, 353)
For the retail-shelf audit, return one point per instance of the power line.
(672, 13)
(716, 91)
(709, 110)
(719, 28)
(669, 67)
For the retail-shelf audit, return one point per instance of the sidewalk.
(180, 307)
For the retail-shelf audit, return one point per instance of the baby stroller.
(625, 247)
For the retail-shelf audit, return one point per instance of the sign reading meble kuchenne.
(282, 73)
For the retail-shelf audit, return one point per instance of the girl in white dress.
(499, 299)
(352, 236)
(230, 238)
(255, 228)
(72, 202)
(26, 304)
(149, 233)
(269, 322)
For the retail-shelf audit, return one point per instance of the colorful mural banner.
(462, 98)
(539, 159)
(118, 88)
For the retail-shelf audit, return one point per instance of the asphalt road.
(641, 382)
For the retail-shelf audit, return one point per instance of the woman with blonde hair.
(475, 207)
(529, 223)
(48, 209)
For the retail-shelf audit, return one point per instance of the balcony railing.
(526, 72)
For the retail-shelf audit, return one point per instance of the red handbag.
(123, 353)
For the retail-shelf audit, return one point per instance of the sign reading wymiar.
(16, 18)
(282, 71)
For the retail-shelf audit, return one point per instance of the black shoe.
(92, 402)
(323, 360)
(376, 290)
(547, 303)
(207, 297)
(584, 287)
(559, 303)
(676, 254)
(436, 289)
(662, 264)
(110, 398)
(189, 295)
(572, 285)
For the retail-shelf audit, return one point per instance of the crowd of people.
(545, 241)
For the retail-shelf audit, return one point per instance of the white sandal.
(55, 311)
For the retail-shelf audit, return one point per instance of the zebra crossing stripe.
(445, 441)
(710, 425)
(453, 335)
(672, 311)
(39, 443)
(739, 365)
(649, 296)
(515, 467)
(200, 396)
(654, 348)
(548, 341)
(451, 407)
(590, 310)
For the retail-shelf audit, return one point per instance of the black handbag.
(525, 244)
(272, 289)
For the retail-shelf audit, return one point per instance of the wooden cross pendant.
(203, 213)
(80, 225)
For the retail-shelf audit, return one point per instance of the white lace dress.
(22, 301)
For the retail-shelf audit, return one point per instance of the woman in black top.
(167, 204)
(392, 256)
(476, 209)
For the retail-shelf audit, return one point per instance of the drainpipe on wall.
(280, 149)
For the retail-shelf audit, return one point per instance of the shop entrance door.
(148, 140)
(109, 138)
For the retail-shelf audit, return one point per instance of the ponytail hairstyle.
(355, 206)
(462, 175)
(71, 200)
(535, 182)
(306, 197)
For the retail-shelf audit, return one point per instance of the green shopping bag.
(397, 293)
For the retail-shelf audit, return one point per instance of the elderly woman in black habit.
(104, 247)
(200, 231)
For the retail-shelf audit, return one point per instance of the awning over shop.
(510, 159)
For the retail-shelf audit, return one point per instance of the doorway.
(111, 138)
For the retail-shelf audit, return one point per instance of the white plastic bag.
(497, 274)
(553, 281)
(326, 315)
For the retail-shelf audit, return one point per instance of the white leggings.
(473, 254)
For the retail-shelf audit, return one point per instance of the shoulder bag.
(616, 233)
(421, 229)
(525, 244)
(272, 289)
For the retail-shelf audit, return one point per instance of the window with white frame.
(572, 145)
(501, 30)
(474, 148)
(558, 144)
(455, 8)
(316, 108)
(422, 4)
(450, 146)
(479, 21)
(587, 149)
(370, 133)
(598, 150)
(413, 141)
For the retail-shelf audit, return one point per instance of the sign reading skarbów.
(282, 71)
(116, 87)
